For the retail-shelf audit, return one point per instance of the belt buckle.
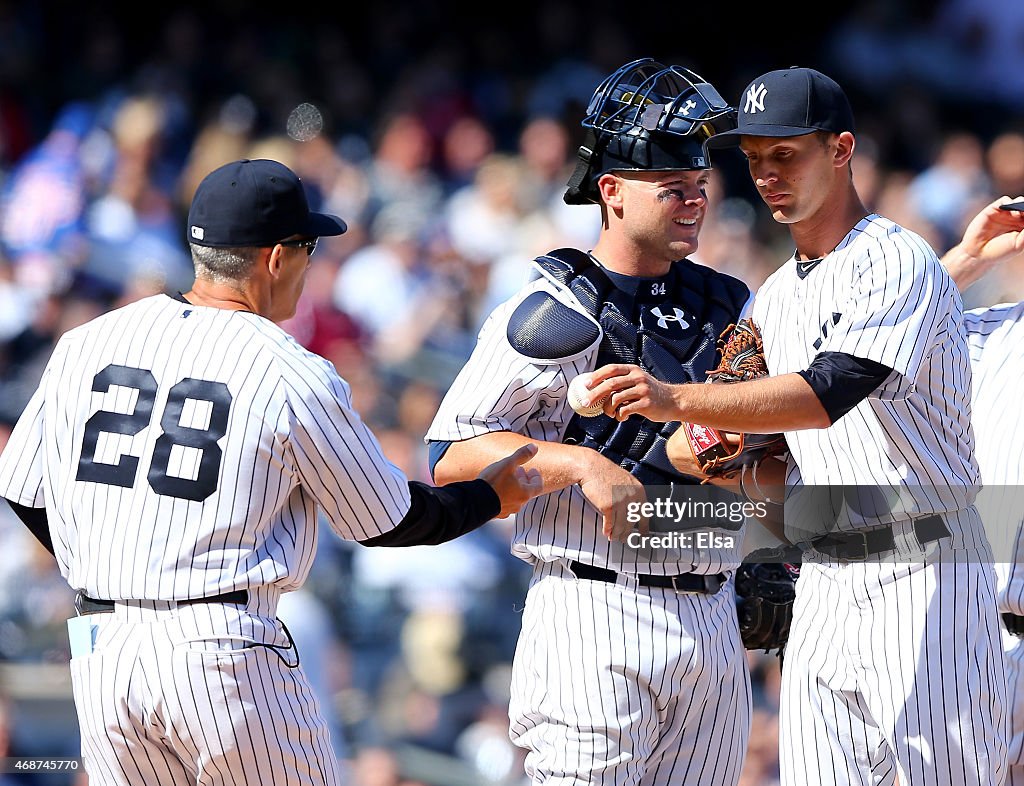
(843, 545)
(712, 583)
(855, 546)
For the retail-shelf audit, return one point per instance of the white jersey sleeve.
(1000, 324)
(500, 389)
(882, 319)
(995, 336)
(337, 458)
(21, 481)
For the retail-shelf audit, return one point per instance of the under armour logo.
(755, 99)
(690, 104)
(676, 316)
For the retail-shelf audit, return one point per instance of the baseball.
(578, 392)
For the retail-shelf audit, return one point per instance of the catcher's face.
(662, 212)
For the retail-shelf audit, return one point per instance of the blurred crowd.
(451, 180)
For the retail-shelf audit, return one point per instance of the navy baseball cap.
(254, 203)
(789, 102)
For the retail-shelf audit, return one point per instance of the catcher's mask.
(647, 116)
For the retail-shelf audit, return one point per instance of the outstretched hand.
(995, 235)
(514, 484)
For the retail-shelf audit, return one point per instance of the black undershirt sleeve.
(436, 515)
(441, 513)
(842, 381)
(35, 520)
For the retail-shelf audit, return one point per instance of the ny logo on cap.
(676, 316)
(755, 99)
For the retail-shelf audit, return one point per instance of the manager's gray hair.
(223, 265)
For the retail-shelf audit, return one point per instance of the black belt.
(684, 582)
(87, 605)
(858, 546)
(1014, 623)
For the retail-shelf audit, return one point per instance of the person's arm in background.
(992, 237)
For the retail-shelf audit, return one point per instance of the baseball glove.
(742, 359)
(765, 591)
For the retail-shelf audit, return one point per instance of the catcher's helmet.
(651, 116)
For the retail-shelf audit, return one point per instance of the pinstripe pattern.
(896, 305)
(685, 720)
(292, 442)
(893, 666)
(183, 704)
(613, 684)
(183, 452)
(996, 339)
(1014, 649)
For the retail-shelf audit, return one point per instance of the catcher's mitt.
(742, 359)
(765, 591)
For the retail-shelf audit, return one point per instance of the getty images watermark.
(690, 523)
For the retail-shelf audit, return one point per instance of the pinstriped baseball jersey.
(196, 463)
(881, 295)
(612, 681)
(893, 665)
(996, 339)
(501, 390)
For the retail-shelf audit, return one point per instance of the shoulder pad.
(563, 264)
(576, 271)
(548, 331)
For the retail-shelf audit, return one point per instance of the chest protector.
(669, 326)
